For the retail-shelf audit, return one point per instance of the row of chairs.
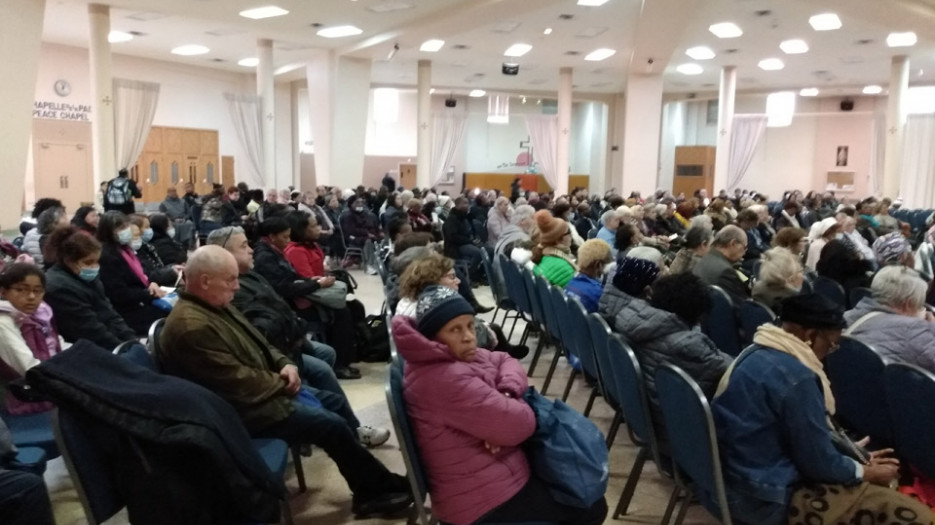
(89, 471)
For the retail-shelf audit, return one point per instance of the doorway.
(407, 176)
(62, 162)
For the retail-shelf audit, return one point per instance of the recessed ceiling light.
(119, 36)
(431, 91)
(600, 54)
(517, 50)
(825, 22)
(873, 90)
(547, 31)
(771, 64)
(258, 13)
(901, 39)
(690, 69)
(190, 50)
(725, 30)
(431, 46)
(339, 31)
(794, 47)
(809, 92)
(477, 93)
(248, 62)
(592, 3)
(700, 53)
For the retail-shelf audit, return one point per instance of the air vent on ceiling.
(863, 41)
(572, 53)
(565, 17)
(730, 51)
(217, 60)
(136, 33)
(146, 16)
(316, 24)
(460, 47)
(763, 12)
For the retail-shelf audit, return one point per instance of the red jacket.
(308, 261)
(455, 407)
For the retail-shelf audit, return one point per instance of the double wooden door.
(175, 156)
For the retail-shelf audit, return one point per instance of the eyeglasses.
(26, 290)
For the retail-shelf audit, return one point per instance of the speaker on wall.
(847, 105)
(510, 68)
(450, 102)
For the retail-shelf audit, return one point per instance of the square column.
(103, 146)
(424, 133)
(641, 135)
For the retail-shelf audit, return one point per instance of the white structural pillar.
(266, 90)
(564, 130)
(102, 93)
(725, 125)
(641, 135)
(339, 94)
(895, 126)
(424, 118)
(20, 46)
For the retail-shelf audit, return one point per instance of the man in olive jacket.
(208, 341)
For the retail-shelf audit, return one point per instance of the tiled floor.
(328, 502)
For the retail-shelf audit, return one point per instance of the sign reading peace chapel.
(61, 111)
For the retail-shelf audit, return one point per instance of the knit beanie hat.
(438, 305)
(591, 251)
(890, 248)
(813, 311)
(551, 229)
(634, 275)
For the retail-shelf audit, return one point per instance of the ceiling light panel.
(386, 7)
(477, 93)
(809, 92)
(431, 46)
(517, 50)
(190, 50)
(592, 3)
(547, 31)
(700, 53)
(248, 62)
(794, 47)
(771, 64)
(259, 13)
(901, 39)
(339, 31)
(600, 54)
(872, 90)
(115, 37)
(690, 69)
(725, 30)
(825, 22)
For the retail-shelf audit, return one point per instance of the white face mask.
(171, 233)
(136, 244)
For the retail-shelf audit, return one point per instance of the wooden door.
(63, 171)
(227, 170)
(407, 176)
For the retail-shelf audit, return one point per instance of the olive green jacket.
(220, 350)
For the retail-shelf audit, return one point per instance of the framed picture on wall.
(841, 156)
(449, 178)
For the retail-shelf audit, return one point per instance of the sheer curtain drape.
(543, 133)
(134, 108)
(746, 134)
(245, 112)
(877, 149)
(448, 132)
(917, 187)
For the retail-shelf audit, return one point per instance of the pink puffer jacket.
(455, 407)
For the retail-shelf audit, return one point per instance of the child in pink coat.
(470, 421)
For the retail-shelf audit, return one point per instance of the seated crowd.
(263, 315)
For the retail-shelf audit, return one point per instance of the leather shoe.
(478, 308)
(380, 504)
(345, 372)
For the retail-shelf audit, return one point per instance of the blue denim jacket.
(773, 434)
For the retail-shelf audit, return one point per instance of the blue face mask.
(147, 234)
(124, 236)
(89, 274)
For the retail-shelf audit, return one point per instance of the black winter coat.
(268, 312)
(273, 266)
(128, 294)
(82, 310)
(458, 232)
(169, 250)
(155, 269)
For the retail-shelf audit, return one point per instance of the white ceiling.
(839, 62)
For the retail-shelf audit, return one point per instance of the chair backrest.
(544, 294)
(82, 442)
(396, 360)
(559, 306)
(856, 375)
(752, 315)
(600, 337)
(407, 441)
(633, 401)
(533, 293)
(831, 290)
(909, 392)
(857, 294)
(720, 324)
(493, 278)
(592, 233)
(135, 352)
(582, 342)
(513, 281)
(692, 436)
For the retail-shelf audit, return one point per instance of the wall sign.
(61, 111)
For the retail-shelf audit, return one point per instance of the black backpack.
(118, 191)
(373, 339)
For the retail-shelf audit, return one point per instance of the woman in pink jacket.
(470, 420)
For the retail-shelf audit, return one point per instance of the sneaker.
(372, 436)
(381, 504)
(346, 372)
(371, 270)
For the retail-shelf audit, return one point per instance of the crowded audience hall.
(664, 305)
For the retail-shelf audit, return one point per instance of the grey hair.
(521, 213)
(47, 220)
(221, 236)
(778, 266)
(758, 208)
(661, 208)
(729, 233)
(609, 214)
(500, 200)
(703, 221)
(404, 197)
(894, 286)
(696, 236)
